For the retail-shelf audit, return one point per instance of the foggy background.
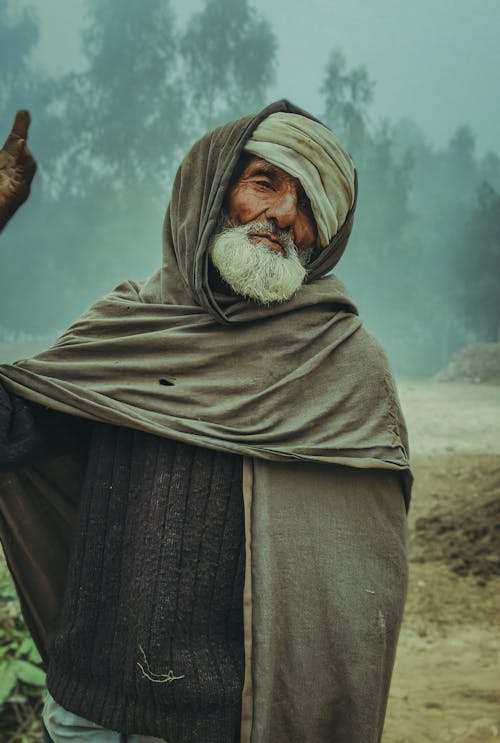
(119, 90)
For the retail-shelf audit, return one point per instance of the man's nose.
(283, 210)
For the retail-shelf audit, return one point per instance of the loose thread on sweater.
(156, 678)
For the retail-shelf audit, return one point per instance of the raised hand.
(17, 168)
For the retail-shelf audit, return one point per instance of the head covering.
(193, 215)
(312, 153)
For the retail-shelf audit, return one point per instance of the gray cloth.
(343, 597)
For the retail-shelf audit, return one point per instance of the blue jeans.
(66, 727)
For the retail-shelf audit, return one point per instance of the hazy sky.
(435, 61)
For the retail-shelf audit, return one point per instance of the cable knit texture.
(150, 637)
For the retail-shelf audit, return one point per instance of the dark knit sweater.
(150, 636)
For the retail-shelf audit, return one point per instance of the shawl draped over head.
(298, 382)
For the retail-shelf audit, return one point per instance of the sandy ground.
(446, 684)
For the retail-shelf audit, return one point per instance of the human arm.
(17, 169)
(19, 435)
(27, 429)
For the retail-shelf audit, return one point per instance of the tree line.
(424, 257)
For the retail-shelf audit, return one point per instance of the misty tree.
(21, 84)
(382, 264)
(460, 156)
(18, 37)
(489, 169)
(347, 95)
(417, 285)
(477, 267)
(229, 56)
(442, 194)
(124, 112)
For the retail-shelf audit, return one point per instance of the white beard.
(252, 269)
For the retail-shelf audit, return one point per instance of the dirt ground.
(446, 684)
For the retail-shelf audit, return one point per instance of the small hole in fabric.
(167, 382)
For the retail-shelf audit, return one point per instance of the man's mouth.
(269, 240)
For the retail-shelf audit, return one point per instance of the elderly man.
(220, 451)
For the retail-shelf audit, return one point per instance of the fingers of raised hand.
(19, 133)
(22, 123)
(15, 155)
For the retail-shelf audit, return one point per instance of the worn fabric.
(304, 383)
(323, 673)
(312, 153)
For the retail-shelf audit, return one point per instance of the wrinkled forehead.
(251, 165)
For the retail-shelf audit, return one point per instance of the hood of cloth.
(194, 211)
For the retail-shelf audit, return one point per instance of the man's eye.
(264, 184)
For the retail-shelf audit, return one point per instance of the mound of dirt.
(463, 529)
(469, 541)
(479, 363)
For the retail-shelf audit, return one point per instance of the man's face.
(268, 234)
(264, 192)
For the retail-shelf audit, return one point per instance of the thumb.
(19, 131)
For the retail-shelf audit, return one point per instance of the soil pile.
(466, 537)
(479, 363)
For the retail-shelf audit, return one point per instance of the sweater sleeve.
(26, 426)
(19, 436)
